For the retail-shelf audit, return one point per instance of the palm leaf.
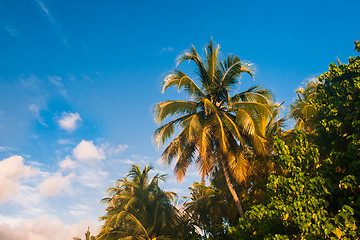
(180, 79)
(167, 109)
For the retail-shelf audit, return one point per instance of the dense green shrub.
(315, 192)
(297, 205)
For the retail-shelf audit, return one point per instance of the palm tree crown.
(216, 129)
(138, 208)
(303, 110)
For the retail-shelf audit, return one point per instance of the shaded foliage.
(338, 132)
(211, 207)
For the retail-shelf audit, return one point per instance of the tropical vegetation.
(258, 179)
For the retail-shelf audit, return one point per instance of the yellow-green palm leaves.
(302, 110)
(138, 208)
(212, 121)
(215, 128)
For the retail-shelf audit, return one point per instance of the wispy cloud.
(11, 30)
(57, 28)
(35, 109)
(112, 150)
(166, 49)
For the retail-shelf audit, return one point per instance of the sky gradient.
(78, 80)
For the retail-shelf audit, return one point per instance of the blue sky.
(78, 80)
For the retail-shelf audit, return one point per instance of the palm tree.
(302, 110)
(211, 209)
(138, 208)
(216, 129)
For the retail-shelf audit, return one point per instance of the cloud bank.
(46, 228)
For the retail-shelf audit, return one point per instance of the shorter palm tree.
(139, 209)
(302, 110)
(209, 208)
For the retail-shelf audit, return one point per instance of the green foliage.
(296, 207)
(315, 194)
(338, 130)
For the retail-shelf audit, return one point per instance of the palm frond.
(231, 69)
(167, 109)
(167, 130)
(192, 55)
(185, 158)
(180, 79)
(238, 166)
(254, 94)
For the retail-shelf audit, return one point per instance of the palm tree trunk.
(232, 190)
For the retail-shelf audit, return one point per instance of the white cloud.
(56, 184)
(12, 169)
(87, 152)
(45, 228)
(68, 121)
(67, 163)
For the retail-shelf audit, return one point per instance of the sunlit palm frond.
(167, 109)
(211, 53)
(192, 55)
(303, 110)
(167, 130)
(186, 156)
(231, 69)
(230, 122)
(238, 166)
(181, 80)
(254, 94)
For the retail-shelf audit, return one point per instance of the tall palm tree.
(216, 129)
(138, 208)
